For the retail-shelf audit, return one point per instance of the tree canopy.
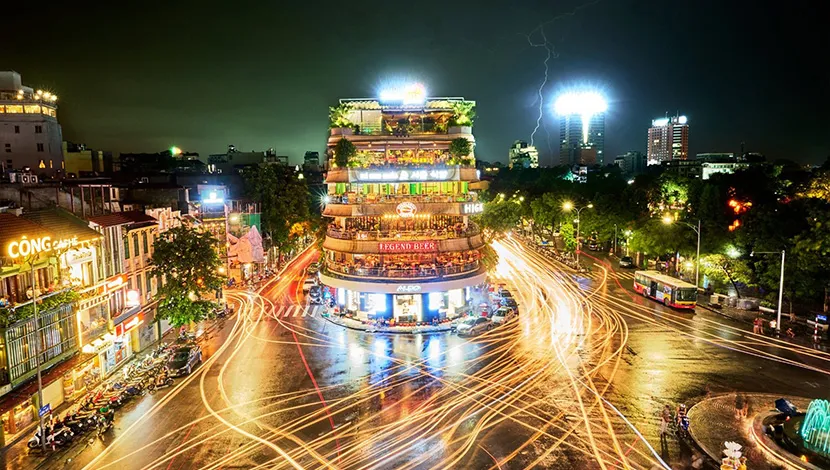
(187, 261)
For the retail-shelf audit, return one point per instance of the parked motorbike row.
(564, 259)
(93, 414)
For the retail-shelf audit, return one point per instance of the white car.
(473, 326)
(308, 283)
(502, 316)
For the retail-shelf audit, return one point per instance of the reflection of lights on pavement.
(341, 338)
(380, 346)
(455, 355)
(434, 349)
(356, 352)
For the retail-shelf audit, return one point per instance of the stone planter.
(460, 130)
(342, 131)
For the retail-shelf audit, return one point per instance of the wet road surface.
(576, 382)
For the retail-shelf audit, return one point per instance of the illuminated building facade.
(30, 136)
(400, 245)
(522, 155)
(668, 139)
(581, 128)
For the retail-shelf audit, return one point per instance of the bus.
(666, 289)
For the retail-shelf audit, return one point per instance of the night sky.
(202, 75)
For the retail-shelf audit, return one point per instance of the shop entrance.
(408, 308)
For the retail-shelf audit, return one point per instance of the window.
(127, 247)
(144, 242)
(149, 285)
(41, 164)
(38, 129)
(40, 149)
(135, 245)
(50, 164)
(17, 129)
(9, 150)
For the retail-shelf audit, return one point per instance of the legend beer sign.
(408, 247)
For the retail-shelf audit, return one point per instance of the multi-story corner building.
(668, 139)
(30, 136)
(522, 155)
(400, 245)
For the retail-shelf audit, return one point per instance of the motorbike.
(162, 381)
(58, 437)
(683, 426)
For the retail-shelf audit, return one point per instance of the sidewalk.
(713, 421)
(58, 370)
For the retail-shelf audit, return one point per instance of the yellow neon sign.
(25, 247)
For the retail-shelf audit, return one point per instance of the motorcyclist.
(681, 413)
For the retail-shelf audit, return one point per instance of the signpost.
(44, 410)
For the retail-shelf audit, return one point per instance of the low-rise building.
(522, 155)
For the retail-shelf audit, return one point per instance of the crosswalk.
(298, 311)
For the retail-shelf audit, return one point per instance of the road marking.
(297, 310)
(278, 311)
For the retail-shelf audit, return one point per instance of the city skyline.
(263, 90)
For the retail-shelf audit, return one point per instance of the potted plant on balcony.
(460, 150)
(463, 115)
(344, 152)
(339, 122)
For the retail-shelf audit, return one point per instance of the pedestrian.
(747, 405)
(756, 327)
(665, 419)
(739, 405)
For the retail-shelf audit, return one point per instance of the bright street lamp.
(668, 220)
(780, 283)
(568, 206)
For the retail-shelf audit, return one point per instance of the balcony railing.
(353, 198)
(424, 271)
(394, 235)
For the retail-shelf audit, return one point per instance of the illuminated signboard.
(115, 282)
(213, 198)
(128, 325)
(473, 208)
(405, 175)
(408, 288)
(406, 210)
(26, 246)
(408, 247)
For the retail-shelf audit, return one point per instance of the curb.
(443, 330)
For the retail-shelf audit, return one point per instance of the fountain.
(815, 429)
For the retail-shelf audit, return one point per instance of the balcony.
(393, 274)
(353, 198)
(402, 174)
(389, 207)
(370, 242)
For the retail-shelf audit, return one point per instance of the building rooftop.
(62, 224)
(122, 218)
(13, 228)
(430, 104)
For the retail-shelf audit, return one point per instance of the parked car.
(313, 269)
(315, 294)
(184, 360)
(627, 262)
(509, 302)
(473, 326)
(308, 284)
(502, 316)
(594, 245)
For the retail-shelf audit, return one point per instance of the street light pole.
(670, 220)
(780, 284)
(615, 239)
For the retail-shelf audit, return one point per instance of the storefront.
(405, 307)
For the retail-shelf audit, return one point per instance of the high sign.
(133, 298)
(473, 208)
(408, 247)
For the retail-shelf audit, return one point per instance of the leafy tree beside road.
(187, 262)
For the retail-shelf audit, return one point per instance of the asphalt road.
(576, 382)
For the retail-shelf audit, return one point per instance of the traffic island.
(714, 421)
(372, 327)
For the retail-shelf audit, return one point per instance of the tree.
(568, 234)
(720, 269)
(463, 113)
(188, 262)
(460, 149)
(338, 115)
(284, 201)
(344, 152)
(500, 216)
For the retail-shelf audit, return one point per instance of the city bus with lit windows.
(667, 290)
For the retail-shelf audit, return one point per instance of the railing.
(423, 271)
(352, 198)
(383, 235)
